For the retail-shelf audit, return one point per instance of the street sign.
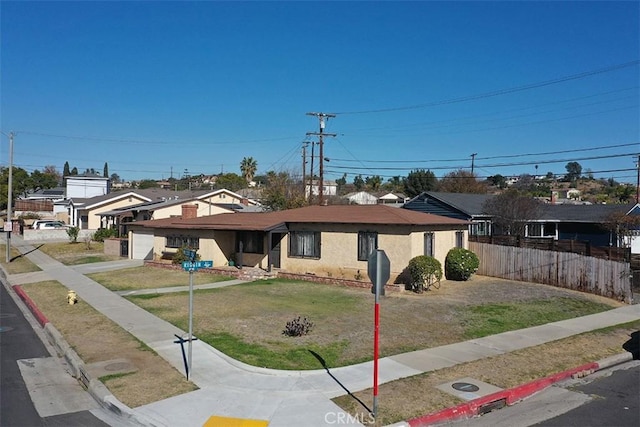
(195, 265)
(190, 253)
(378, 259)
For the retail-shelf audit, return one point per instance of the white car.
(48, 225)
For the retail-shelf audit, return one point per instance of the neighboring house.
(361, 198)
(111, 209)
(86, 186)
(468, 207)
(392, 199)
(583, 222)
(85, 213)
(331, 240)
(329, 188)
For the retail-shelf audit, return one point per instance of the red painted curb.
(510, 396)
(41, 318)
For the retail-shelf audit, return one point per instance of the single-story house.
(361, 198)
(334, 240)
(585, 223)
(468, 207)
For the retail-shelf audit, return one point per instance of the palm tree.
(248, 167)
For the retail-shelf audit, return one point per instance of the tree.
(623, 226)
(21, 183)
(248, 167)
(373, 182)
(498, 181)
(51, 170)
(147, 183)
(419, 181)
(282, 192)
(230, 181)
(74, 171)
(115, 178)
(394, 184)
(510, 212)
(41, 181)
(574, 171)
(65, 170)
(105, 170)
(341, 182)
(461, 181)
(358, 182)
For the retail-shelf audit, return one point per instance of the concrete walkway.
(284, 398)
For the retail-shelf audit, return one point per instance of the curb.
(514, 395)
(94, 387)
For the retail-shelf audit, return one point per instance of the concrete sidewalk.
(284, 398)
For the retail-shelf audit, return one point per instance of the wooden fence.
(597, 276)
(573, 246)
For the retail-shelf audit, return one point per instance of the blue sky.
(159, 88)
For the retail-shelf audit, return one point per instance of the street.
(606, 398)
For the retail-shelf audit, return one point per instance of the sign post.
(378, 268)
(191, 266)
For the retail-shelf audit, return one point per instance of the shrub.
(460, 264)
(72, 232)
(104, 233)
(297, 327)
(180, 256)
(423, 272)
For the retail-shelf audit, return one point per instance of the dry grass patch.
(18, 262)
(146, 277)
(96, 338)
(73, 253)
(416, 396)
(246, 321)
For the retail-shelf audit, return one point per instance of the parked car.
(36, 224)
(48, 225)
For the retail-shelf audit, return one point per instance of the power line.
(492, 157)
(500, 91)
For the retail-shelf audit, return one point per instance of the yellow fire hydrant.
(72, 298)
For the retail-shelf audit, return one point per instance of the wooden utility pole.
(322, 118)
(305, 144)
(473, 159)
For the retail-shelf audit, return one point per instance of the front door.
(276, 238)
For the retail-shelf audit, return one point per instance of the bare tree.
(511, 211)
(461, 181)
(622, 226)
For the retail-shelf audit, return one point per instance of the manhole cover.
(6, 328)
(118, 366)
(466, 387)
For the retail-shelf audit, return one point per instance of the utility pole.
(322, 118)
(313, 144)
(638, 180)
(305, 144)
(9, 224)
(473, 158)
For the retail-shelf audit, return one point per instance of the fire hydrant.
(72, 298)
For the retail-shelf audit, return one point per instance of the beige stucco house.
(333, 241)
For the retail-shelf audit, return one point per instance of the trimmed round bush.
(460, 264)
(424, 271)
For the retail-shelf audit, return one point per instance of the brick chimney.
(189, 211)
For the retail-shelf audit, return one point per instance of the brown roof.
(333, 214)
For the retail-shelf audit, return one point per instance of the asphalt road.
(616, 402)
(18, 341)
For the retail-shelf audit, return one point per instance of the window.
(367, 244)
(459, 239)
(304, 244)
(252, 242)
(428, 244)
(182, 241)
(534, 230)
(480, 228)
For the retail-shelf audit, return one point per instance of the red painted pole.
(375, 357)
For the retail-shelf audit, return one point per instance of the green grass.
(491, 319)
(283, 357)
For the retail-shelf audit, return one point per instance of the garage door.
(141, 246)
